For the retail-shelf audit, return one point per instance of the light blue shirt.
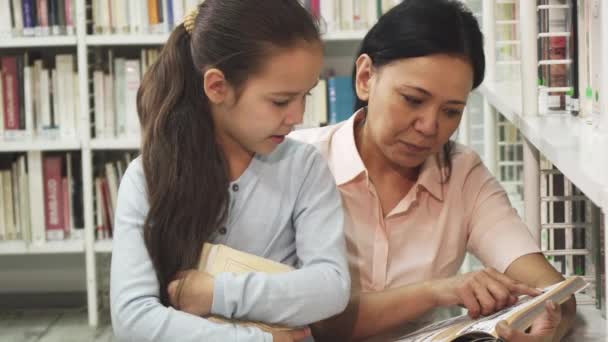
(284, 207)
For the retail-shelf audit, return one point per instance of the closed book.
(341, 98)
(10, 88)
(53, 197)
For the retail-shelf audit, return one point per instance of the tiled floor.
(71, 326)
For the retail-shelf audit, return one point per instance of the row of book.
(347, 15)
(14, 200)
(61, 194)
(115, 84)
(37, 17)
(109, 170)
(139, 16)
(38, 97)
(330, 102)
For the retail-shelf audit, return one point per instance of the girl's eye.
(412, 100)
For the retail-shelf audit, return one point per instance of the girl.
(216, 167)
(416, 202)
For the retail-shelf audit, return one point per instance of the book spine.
(3, 223)
(2, 104)
(53, 195)
(28, 17)
(132, 82)
(61, 22)
(43, 16)
(11, 93)
(28, 98)
(21, 88)
(17, 11)
(69, 16)
(333, 110)
(8, 205)
(6, 19)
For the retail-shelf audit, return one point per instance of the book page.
(520, 315)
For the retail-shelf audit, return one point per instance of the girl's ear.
(363, 76)
(215, 85)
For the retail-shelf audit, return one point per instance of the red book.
(43, 13)
(10, 91)
(69, 21)
(53, 198)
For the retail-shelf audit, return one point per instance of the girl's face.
(270, 103)
(414, 104)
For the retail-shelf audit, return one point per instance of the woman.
(416, 202)
(216, 167)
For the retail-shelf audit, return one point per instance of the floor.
(71, 326)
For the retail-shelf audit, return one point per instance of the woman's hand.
(481, 293)
(192, 292)
(290, 336)
(543, 329)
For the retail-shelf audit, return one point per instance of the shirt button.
(223, 231)
(235, 187)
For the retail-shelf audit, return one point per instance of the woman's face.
(414, 104)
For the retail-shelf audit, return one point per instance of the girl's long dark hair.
(185, 172)
(417, 28)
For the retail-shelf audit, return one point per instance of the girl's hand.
(192, 292)
(290, 336)
(482, 293)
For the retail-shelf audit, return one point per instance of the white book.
(330, 15)
(18, 17)
(320, 104)
(45, 100)
(120, 96)
(9, 209)
(346, 15)
(97, 17)
(1, 108)
(99, 99)
(36, 197)
(106, 10)
(123, 16)
(3, 223)
(75, 102)
(134, 17)
(132, 81)
(113, 186)
(110, 113)
(178, 11)
(26, 232)
(360, 14)
(56, 117)
(144, 20)
(165, 24)
(6, 22)
(28, 100)
(372, 13)
(65, 96)
(16, 202)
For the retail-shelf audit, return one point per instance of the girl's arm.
(137, 313)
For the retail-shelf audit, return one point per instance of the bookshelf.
(574, 146)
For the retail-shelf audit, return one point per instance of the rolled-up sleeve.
(497, 235)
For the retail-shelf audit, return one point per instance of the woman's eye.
(280, 103)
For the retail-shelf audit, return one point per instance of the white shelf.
(103, 246)
(39, 145)
(571, 144)
(344, 35)
(126, 39)
(160, 39)
(31, 42)
(115, 144)
(49, 247)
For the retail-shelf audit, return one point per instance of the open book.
(519, 316)
(216, 259)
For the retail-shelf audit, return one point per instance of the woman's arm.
(137, 313)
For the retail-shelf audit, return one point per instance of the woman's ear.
(215, 86)
(363, 76)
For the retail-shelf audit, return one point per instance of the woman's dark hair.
(185, 171)
(417, 28)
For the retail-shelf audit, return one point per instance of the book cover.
(216, 259)
(341, 98)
